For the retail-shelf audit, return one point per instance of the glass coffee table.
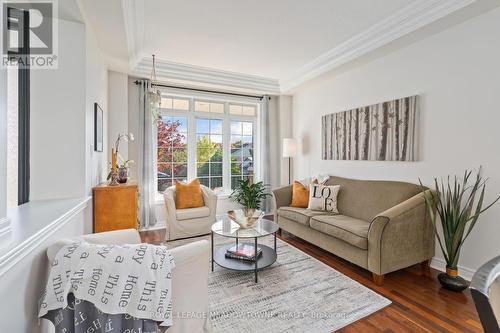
(230, 229)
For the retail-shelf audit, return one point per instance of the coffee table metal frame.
(263, 228)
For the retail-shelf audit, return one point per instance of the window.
(200, 106)
(245, 110)
(209, 154)
(172, 155)
(209, 140)
(18, 108)
(242, 164)
(175, 103)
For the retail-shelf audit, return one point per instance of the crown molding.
(167, 70)
(410, 18)
(133, 18)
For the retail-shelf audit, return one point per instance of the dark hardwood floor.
(419, 304)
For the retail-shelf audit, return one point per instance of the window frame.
(226, 118)
(23, 173)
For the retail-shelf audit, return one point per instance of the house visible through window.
(212, 140)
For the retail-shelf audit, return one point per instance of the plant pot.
(122, 174)
(248, 212)
(451, 281)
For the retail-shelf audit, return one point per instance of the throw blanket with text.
(128, 279)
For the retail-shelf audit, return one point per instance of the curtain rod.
(206, 91)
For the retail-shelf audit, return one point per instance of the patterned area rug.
(298, 293)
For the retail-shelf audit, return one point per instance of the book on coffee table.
(243, 252)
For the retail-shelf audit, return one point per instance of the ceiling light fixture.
(154, 93)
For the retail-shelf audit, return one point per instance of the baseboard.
(440, 265)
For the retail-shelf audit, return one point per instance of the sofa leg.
(426, 266)
(378, 279)
(279, 232)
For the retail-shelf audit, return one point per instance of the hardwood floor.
(419, 304)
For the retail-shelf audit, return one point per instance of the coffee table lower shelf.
(266, 259)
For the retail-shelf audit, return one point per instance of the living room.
(249, 166)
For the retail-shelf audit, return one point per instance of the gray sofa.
(382, 226)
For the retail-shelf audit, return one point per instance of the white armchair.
(189, 277)
(189, 222)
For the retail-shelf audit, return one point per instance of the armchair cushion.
(349, 229)
(299, 215)
(192, 213)
(188, 195)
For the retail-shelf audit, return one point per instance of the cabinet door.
(115, 209)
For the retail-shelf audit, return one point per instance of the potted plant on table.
(250, 196)
(458, 204)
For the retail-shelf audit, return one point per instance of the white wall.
(118, 110)
(457, 74)
(63, 165)
(23, 284)
(96, 92)
(63, 161)
(57, 142)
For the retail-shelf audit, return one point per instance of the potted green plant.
(249, 195)
(455, 205)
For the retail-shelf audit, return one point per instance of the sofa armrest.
(282, 196)
(190, 287)
(401, 236)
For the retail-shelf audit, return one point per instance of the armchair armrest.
(210, 199)
(169, 198)
(401, 236)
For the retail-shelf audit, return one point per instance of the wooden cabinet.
(115, 207)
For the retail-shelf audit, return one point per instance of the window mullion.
(191, 141)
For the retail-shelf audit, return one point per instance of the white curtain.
(147, 160)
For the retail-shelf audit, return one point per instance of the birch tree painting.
(379, 132)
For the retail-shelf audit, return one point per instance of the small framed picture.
(98, 135)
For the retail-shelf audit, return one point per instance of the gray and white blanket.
(127, 287)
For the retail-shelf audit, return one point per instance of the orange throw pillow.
(188, 195)
(300, 195)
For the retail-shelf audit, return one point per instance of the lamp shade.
(289, 147)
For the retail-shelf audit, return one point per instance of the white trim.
(133, 18)
(5, 231)
(410, 18)
(16, 254)
(167, 70)
(440, 265)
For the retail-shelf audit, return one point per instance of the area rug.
(298, 293)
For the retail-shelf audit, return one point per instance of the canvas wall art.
(386, 131)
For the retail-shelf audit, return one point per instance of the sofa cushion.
(192, 213)
(365, 199)
(299, 215)
(348, 229)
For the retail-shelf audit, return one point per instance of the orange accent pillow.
(188, 195)
(300, 194)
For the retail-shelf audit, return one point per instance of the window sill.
(33, 223)
(220, 196)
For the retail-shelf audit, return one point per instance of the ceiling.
(261, 44)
